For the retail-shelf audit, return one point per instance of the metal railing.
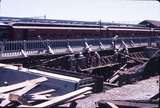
(30, 46)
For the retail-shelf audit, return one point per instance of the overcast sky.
(87, 10)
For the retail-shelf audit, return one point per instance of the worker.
(114, 41)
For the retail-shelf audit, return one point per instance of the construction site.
(79, 64)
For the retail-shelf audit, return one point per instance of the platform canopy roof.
(11, 20)
(151, 23)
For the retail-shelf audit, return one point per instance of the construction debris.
(113, 78)
(18, 93)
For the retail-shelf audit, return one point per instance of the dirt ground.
(142, 90)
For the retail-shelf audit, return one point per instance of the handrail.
(54, 45)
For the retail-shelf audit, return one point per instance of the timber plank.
(21, 85)
(44, 92)
(63, 98)
(19, 93)
(29, 85)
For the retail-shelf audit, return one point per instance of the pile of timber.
(19, 95)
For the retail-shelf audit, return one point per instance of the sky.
(129, 11)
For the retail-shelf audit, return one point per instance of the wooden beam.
(114, 78)
(79, 97)
(50, 49)
(116, 75)
(63, 98)
(44, 92)
(98, 67)
(24, 53)
(110, 84)
(39, 97)
(75, 98)
(112, 105)
(21, 85)
(26, 89)
(17, 94)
